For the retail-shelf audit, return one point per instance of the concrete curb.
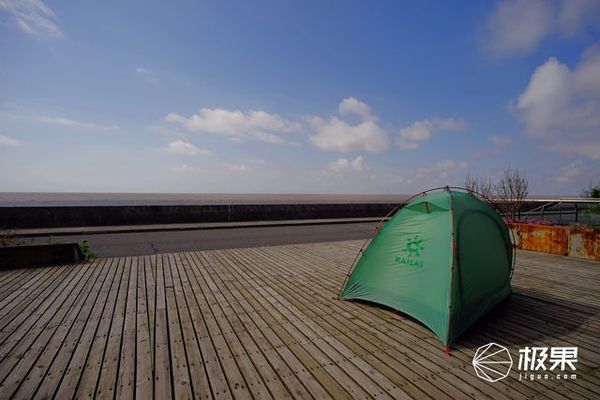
(97, 230)
(36, 255)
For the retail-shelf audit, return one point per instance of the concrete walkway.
(153, 242)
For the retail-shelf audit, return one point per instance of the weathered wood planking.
(263, 323)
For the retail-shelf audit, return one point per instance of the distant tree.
(511, 190)
(480, 185)
(591, 192)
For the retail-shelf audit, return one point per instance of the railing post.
(559, 211)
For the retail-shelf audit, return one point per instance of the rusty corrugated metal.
(563, 240)
(584, 243)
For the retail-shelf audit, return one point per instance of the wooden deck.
(261, 323)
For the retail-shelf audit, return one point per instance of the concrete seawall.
(60, 217)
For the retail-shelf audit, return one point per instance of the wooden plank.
(110, 365)
(200, 386)
(51, 362)
(6, 275)
(240, 339)
(14, 280)
(144, 369)
(29, 300)
(88, 380)
(162, 353)
(237, 384)
(303, 346)
(22, 357)
(126, 372)
(180, 371)
(62, 378)
(151, 302)
(212, 364)
(249, 327)
(21, 341)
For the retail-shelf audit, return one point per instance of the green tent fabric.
(445, 259)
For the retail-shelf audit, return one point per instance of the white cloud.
(518, 26)
(499, 140)
(420, 131)
(441, 169)
(560, 106)
(236, 167)
(359, 164)
(417, 132)
(577, 15)
(71, 123)
(185, 169)
(338, 135)
(342, 165)
(351, 105)
(405, 144)
(569, 172)
(185, 148)
(5, 141)
(147, 75)
(344, 168)
(32, 17)
(587, 74)
(258, 161)
(236, 125)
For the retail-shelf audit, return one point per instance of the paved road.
(133, 244)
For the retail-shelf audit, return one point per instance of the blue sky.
(297, 97)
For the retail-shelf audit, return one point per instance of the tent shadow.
(400, 316)
(527, 317)
(391, 310)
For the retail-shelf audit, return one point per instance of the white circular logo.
(492, 362)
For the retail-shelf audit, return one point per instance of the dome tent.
(445, 259)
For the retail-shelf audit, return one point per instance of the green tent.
(445, 259)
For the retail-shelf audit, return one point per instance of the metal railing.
(561, 210)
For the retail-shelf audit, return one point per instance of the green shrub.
(86, 251)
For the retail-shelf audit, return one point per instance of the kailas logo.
(415, 246)
(492, 362)
(412, 253)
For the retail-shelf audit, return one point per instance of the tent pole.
(454, 251)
